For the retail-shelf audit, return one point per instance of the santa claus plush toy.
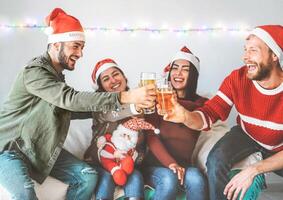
(117, 152)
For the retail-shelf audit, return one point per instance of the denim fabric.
(106, 186)
(230, 149)
(166, 183)
(14, 176)
(80, 177)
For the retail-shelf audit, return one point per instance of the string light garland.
(135, 29)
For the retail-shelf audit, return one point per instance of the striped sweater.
(260, 111)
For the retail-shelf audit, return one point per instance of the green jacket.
(36, 116)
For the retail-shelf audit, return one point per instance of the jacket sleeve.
(124, 111)
(42, 83)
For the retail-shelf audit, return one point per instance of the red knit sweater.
(260, 111)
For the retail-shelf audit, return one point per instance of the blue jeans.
(166, 183)
(230, 149)
(106, 186)
(14, 176)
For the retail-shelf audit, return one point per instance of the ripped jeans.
(14, 176)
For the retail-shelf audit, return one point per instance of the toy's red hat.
(137, 124)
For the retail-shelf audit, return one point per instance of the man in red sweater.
(256, 90)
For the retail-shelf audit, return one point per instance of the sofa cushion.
(79, 137)
(49, 189)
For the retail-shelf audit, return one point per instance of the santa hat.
(101, 66)
(272, 35)
(185, 54)
(166, 69)
(63, 27)
(135, 125)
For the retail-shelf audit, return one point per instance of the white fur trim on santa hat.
(104, 67)
(66, 37)
(187, 56)
(123, 128)
(94, 86)
(263, 35)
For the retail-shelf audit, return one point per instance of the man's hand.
(240, 183)
(177, 113)
(180, 171)
(144, 96)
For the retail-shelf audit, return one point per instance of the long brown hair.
(192, 82)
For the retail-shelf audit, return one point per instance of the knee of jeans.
(216, 158)
(105, 177)
(136, 177)
(88, 177)
(169, 180)
(194, 176)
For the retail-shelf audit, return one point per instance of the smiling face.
(258, 58)
(69, 53)
(179, 74)
(112, 80)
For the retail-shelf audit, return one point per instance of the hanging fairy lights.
(133, 30)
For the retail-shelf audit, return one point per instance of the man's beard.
(63, 58)
(262, 73)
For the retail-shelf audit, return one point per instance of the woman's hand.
(180, 171)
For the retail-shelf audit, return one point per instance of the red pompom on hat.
(272, 35)
(63, 27)
(101, 66)
(137, 124)
(166, 69)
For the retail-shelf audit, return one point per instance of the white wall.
(219, 52)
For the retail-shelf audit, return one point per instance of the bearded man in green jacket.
(34, 120)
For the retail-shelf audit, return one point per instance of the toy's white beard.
(123, 143)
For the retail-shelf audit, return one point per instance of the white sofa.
(79, 138)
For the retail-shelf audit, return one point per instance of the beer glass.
(164, 95)
(146, 79)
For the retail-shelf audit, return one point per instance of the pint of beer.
(164, 95)
(146, 79)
